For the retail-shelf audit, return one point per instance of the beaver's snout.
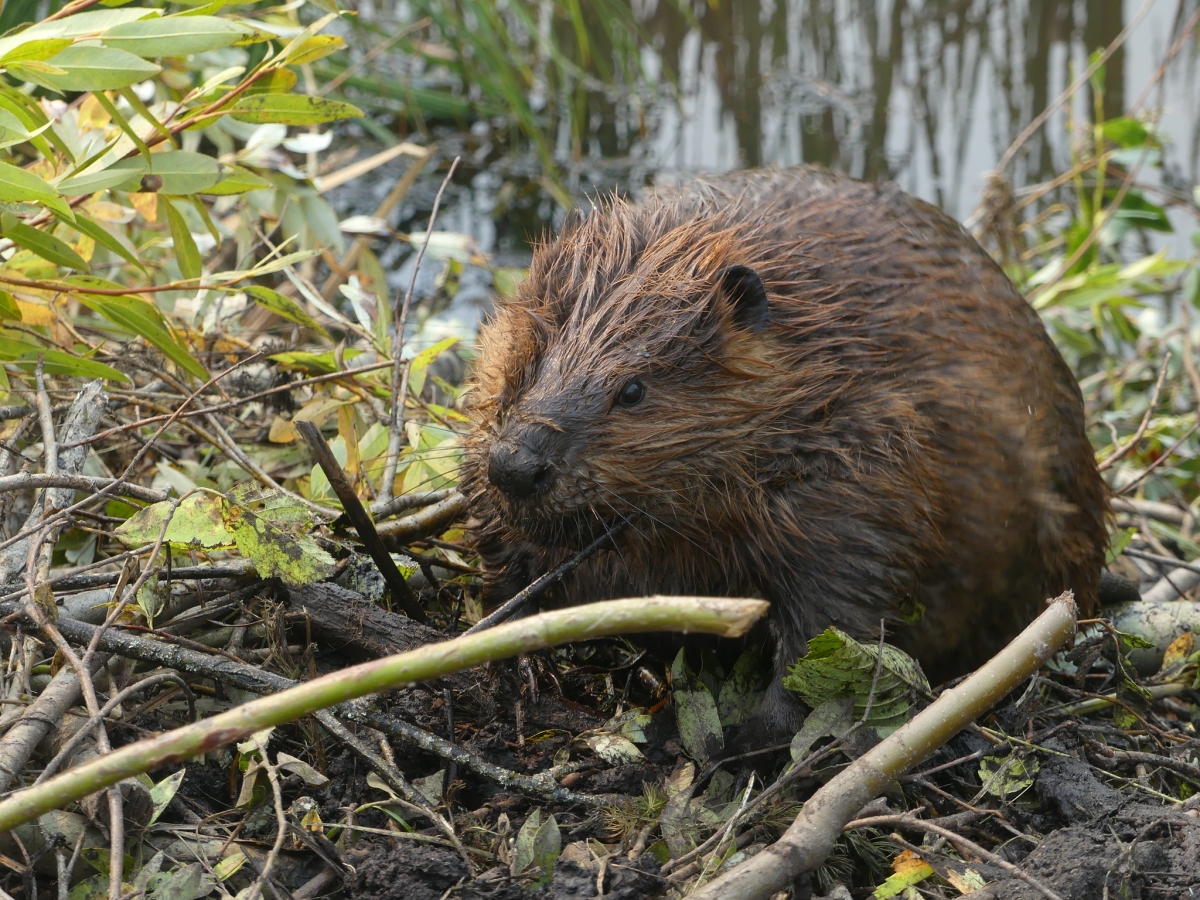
(520, 466)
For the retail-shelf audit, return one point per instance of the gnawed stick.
(810, 838)
(729, 618)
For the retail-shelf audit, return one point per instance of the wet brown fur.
(902, 432)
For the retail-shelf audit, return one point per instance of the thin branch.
(399, 368)
(729, 618)
(1133, 441)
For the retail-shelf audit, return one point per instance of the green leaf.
(163, 793)
(45, 245)
(831, 719)
(742, 691)
(100, 235)
(1125, 132)
(36, 50)
(238, 181)
(138, 316)
(90, 22)
(9, 311)
(538, 845)
(838, 666)
(284, 307)
(902, 882)
(1117, 542)
(186, 252)
(33, 118)
(292, 109)
(506, 278)
(125, 174)
(699, 724)
(12, 129)
(1009, 777)
(16, 351)
(19, 186)
(92, 68)
(198, 523)
(185, 172)
(175, 35)
(313, 363)
(190, 882)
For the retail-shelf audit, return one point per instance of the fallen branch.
(811, 836)
(397, 533)
(729, 618)
(256, 680)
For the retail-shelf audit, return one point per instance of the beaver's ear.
(746, 294)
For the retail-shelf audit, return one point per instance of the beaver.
(802, 388)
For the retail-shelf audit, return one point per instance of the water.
(929, 94)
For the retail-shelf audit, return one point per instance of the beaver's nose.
(519, 471)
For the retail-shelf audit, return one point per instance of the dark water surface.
(929, 94)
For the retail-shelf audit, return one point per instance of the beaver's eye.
(631, 394)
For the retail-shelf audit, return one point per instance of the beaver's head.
(625, 376)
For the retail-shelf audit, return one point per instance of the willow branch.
(729, 618)
(811, 836)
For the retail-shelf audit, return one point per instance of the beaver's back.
(899, 439)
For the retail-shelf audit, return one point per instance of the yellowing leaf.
(283, 431)
(281, 81)
(908, 869)
(146, 205)
(292, 556)
(1179, 650)
(36, 50)
(36, 314)
(198, 522)
(422, 361)
(315, 48)
(9, 310)
(965, 882)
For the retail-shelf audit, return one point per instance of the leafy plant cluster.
(1096, 252)
(132, 143)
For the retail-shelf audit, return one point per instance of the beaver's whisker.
(657, 521)
(449, 474)
(611, 534)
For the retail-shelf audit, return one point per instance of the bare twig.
(1120, 452)
(402, 594)
(400, 321)
(513, 606)
(693, 614)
